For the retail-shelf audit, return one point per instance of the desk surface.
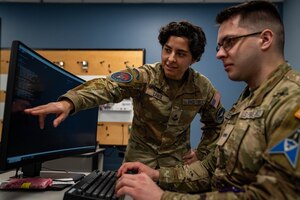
(27, 195)
(32, 195)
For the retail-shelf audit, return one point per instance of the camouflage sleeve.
(167, 195)
(185, 178)
(212, 116)
(279, 177)
(112, 89)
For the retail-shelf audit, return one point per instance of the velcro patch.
(289, 147)
(297, 113)
(122, 77)
(193, 102)
(220, 115)
(216, 100)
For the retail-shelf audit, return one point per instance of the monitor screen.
(32, 81)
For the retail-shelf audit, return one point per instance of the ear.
(267, 37)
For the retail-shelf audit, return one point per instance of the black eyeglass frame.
(231, 41)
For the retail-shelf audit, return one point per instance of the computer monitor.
(32, 81)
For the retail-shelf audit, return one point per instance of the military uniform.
(257, 154)
(163, 111)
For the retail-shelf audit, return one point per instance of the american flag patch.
(216, 100)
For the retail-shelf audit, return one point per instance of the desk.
(28, 195)
(32, 195)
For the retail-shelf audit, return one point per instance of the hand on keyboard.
(131, 171)
(138, 168)
(138, 186)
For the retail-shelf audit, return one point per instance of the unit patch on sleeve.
(289, 147)
(122, 77)
(220, 115)
(297, 113)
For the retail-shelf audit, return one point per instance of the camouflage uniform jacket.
(160, 132)
(257, 155)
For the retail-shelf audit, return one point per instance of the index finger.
(38, 110)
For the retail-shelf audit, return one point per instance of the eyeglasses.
(229, 42)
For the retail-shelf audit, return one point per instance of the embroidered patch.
(289, 146)
(251, 114)
(220, 115)
(157, 95)
(216, 100)
(175, 116)
(122, 77)
(193, 102)
(297, 113)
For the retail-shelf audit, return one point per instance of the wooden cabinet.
(113, 133)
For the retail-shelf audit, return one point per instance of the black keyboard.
(98, 185)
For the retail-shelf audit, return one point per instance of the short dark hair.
(195, 35)
(256, 15)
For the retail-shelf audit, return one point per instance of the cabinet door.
(113, 133)
(110, 133)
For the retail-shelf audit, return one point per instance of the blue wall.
(116, 26)
(292, 34)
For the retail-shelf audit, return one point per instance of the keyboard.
(98, 185)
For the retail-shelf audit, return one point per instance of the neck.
(262, 75)
(264, 71)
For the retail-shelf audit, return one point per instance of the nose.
(221, 53)
(171, 57)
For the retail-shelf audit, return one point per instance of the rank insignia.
(289, 147)
(122, 77)
(297, 113)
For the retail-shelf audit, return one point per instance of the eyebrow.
(228, 36)
(178, 50)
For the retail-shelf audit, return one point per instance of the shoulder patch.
(122, 77)
(289, 147)
(220, 115)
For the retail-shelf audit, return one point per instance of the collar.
(161, 82)
(273, 79)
